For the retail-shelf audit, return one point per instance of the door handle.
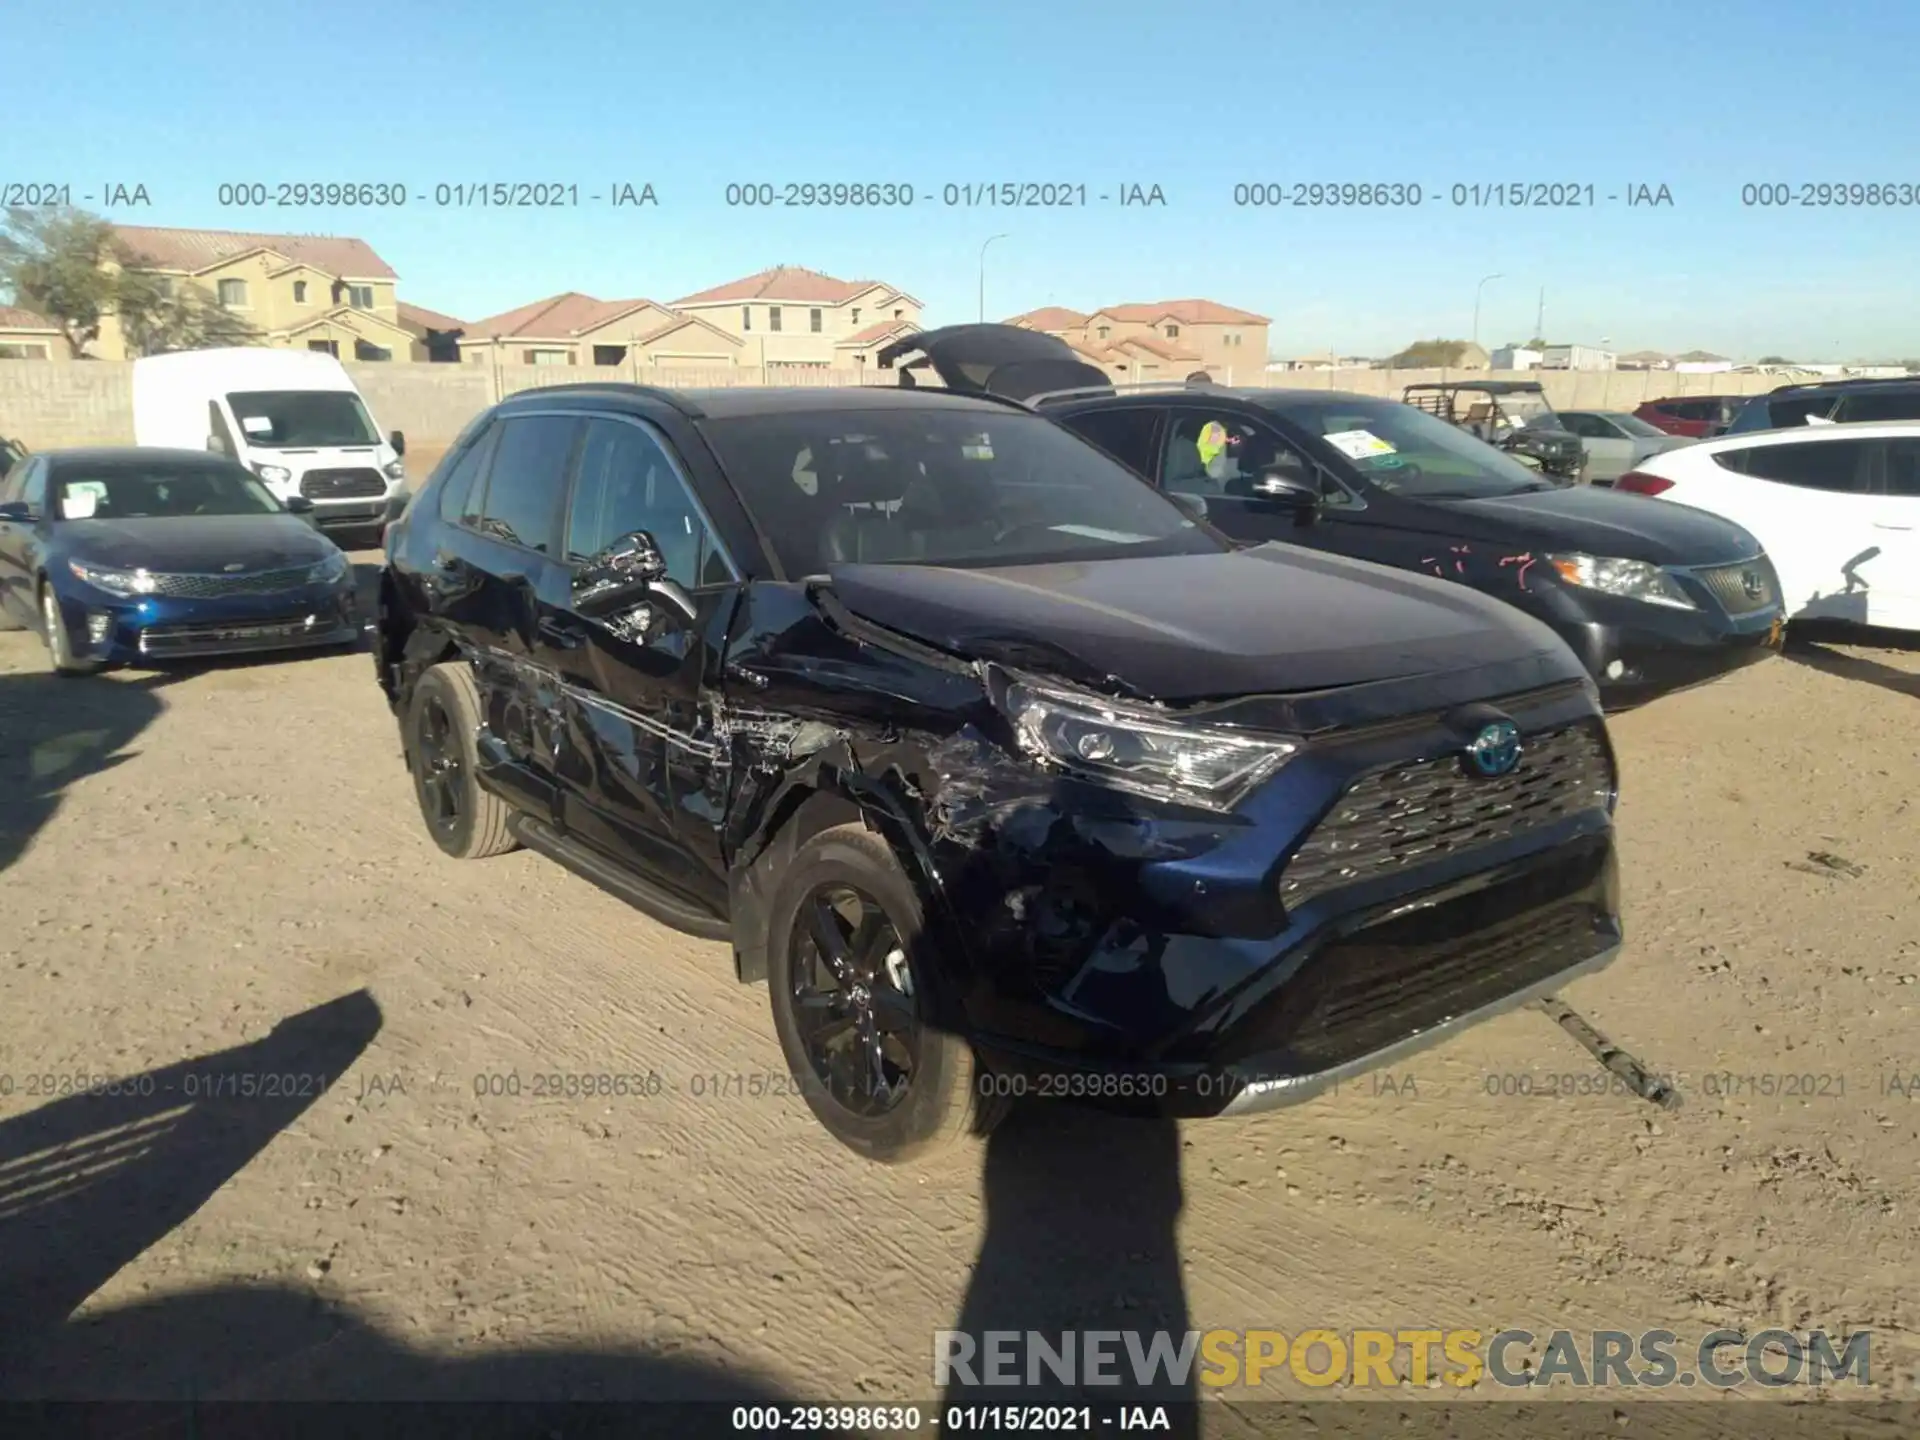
(556, 632)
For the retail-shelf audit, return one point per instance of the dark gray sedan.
(1615, 442)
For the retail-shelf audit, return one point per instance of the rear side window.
(1884, 405)
(1903, 468)
(1126, 435)
(1841, 466)
(524, 482)
(457, 488)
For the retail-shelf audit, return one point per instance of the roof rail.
(1045, 395)
(653, 392)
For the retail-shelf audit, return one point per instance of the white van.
(293, 417)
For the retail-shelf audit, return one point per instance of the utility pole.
(1476, 304)
(1540, 318)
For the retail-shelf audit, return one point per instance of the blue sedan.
(131, 555)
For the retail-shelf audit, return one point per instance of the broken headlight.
(1139, 751)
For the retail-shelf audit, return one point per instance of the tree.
(155, 317)
(1429, 355)
(1773, 360)
(55, 262)
(1536, 343)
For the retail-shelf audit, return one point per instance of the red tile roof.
(14, 318)
(427, 319)
(558, 317)
(784, 282)
(1050, 318)
(338, 255)
(681, 322)
(1156, 346)
(1191, 312)
(878, 331)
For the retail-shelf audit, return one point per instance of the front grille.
(342, 484)
(1404, 815)
(1382, 987)
(187, 637)
(1728, 585)
(207, 587)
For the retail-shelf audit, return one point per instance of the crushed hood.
(1275, 619)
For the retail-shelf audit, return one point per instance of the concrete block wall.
(51, 403)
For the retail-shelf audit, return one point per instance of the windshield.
(278, 419)
(1408, 452)
(1637, 427)
(940, 487)
(1527, 408)
(148, 489)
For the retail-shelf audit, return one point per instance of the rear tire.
(443, 723)
(881, 1080)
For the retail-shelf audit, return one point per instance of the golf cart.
(1514, 415)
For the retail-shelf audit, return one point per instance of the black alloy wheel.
(853, 999)
(441, 773)
(465, 820)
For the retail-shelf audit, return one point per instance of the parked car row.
(1177, 748)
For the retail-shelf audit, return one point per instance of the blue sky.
(1193, 97)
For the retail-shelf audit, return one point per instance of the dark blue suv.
(1010, 776)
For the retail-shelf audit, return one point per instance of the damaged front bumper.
(1369, 900)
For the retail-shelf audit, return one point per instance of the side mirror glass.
(1290, 491)
(1194, 505)
(619, 575)
(399, 443)
(298, 505)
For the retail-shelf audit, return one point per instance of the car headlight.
(1140, 752)
(273, 474)
(113, 580)
(330, 570)
(1631, 579)
(395, 469)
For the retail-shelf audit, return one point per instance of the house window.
(233, 294)
(1173, 332)
(360, 297)
(364, 351)
(11, 351)
(547, 357)
(746, 317)
(898, 313)
(813, 321)
(1105, 330)
(325, 347)
(299, 292)
(773, 317)
(856, 316)
(609, 354)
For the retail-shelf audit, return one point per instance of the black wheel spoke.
(823, 923)
(872, 938)
(893, 1012)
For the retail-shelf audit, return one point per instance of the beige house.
(304, 292)
(27, 336)
(436, 337)
(576, 329)
(1161, 339)
(796, 317)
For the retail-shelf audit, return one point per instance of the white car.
(1837, 508)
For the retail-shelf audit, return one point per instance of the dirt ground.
(224, 872)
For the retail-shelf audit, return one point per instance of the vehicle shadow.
(88, 1181)
(1082, 1206)
(59, 730)
(1811, 642)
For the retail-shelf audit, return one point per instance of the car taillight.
(1638, 482)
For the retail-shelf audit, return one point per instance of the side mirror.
(16, 510)
(219, 445)
(398, 442)
(1284, 490)
(1194, 505)
(619, 576)
(298, 505)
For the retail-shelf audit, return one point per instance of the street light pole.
(983, 275)
(1476, 303)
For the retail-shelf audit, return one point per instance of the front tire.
(846, 970)
(443, 725)
(53, 630)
